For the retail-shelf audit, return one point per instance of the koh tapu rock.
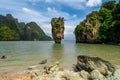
(57, 29)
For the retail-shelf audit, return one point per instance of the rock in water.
(43, 61)
(94, 63)
(3, 57)
(57, 29)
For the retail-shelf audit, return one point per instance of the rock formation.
(33, 32)
(87, 30)
(57, 29)
(100, 26)
(96, 66)
(3, 57)
(43, 61)
(89, 68)
(13, 30)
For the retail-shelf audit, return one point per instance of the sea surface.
(22, 54)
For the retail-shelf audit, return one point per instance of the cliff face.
(102, 26)
(57, 29)
(34, 33)
(12, 30)
(9, 28)
(87, 30)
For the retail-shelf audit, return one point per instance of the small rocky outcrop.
(95, 66)
(57, 29)
(3, 57)
(43, 61)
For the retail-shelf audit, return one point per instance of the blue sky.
(41, 11)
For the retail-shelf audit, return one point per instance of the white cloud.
(52, 12)
(33, 0)
(36, 1)
(72, 1)
(11, 5)
(32, 15)
(29, 11)
(77, 4)
(48, 1)
(74, 16)
(26, 10)
(92, 3)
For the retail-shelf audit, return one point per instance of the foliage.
(20, 29)
(34, 32)
(109, 5)
(79, 29)
(7, 34)
(109, 18)
(110, 26)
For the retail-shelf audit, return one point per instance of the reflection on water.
(107, 52)
(57, 52)
(22, 54)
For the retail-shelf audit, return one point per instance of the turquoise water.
(23, 54)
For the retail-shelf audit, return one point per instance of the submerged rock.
(32, 67)
(43, 61)
(90, 64)
(57, 29)
(3, 57)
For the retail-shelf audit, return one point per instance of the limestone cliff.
(57, 29)
(102, 26)
(34, 33)
(87, 30)
(13, 30)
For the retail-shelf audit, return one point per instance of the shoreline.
(38, 72)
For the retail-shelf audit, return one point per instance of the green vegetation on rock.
(12, 30)
(101, 26)
(7, 34)
(57, 29)
(34, 32)
(87, 29)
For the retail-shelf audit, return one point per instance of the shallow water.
(21, 54)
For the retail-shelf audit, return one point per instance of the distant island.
(12, 30)
(102, 26)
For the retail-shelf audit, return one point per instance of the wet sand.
(15, 76)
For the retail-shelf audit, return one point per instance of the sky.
(41, 12)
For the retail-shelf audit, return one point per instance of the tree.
(109, 5)
(109, 18)
(7, 34)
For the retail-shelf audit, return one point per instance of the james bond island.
(57, 29)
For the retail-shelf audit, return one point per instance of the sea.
(22, 54)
